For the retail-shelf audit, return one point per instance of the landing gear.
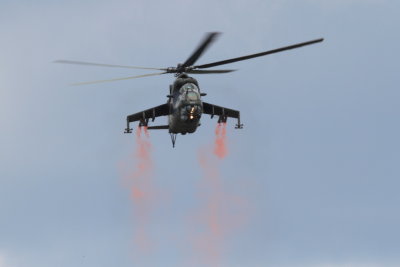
(173, 138)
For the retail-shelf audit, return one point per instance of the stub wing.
(145, 115)
(222, 112)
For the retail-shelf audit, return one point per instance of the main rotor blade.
(103, 65)
(119, 79)
(209, 38)
(208, 71)
(228, 61)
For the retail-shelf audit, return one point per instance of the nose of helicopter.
(192, 111)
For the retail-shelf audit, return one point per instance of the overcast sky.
(314, 175)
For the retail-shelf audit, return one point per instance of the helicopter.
(184, 106)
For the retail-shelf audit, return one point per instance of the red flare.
(139, 180)
(137, 193)
(220, 149)
(222, 211)
(212, 214)
(208, 245)
(146, 131)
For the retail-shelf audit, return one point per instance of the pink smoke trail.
(213, 218)
(220, 148)
(138, 177)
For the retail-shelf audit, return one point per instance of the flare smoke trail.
(220, 149)
(140, 184)
(213, 218)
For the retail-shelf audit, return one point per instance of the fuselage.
(186, 105)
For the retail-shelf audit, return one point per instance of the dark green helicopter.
(184, 106)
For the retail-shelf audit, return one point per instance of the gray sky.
(315, 169)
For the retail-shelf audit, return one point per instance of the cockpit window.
(189, 87)
(192, 96)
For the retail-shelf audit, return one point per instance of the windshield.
(192, 96)
(189, 87)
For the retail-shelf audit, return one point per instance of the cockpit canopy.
(192, 96)
(189, 87)
(191, 91)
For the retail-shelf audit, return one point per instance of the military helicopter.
(184, 106)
